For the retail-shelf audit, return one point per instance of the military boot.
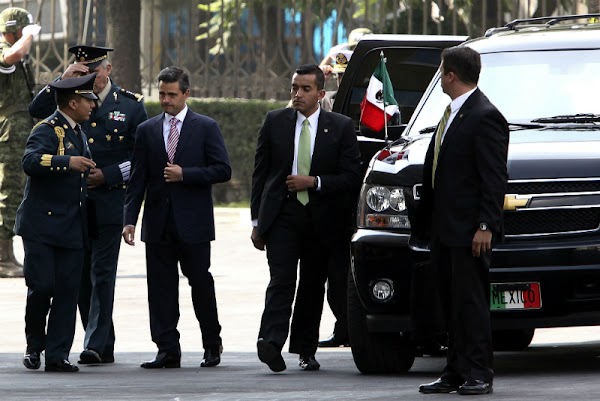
(9, 266)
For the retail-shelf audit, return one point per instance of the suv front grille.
(536, 222)
(553, 220)
(548, 187)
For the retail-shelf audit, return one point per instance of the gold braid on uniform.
(135, 96)
(60, 133)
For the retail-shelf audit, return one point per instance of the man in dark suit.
(177, 157)
(464, 182)
(306, 160)
(52, 220)
(110, 131)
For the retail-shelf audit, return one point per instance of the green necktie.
(304, 158)
(439, 133)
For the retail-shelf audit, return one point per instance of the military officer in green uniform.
(16, 91)
(52, 219)
(110, 130)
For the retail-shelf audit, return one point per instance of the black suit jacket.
(53, 207)
(336, 160)
(202, 155)
(471, 175)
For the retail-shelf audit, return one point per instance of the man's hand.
(257, 241)
(173, 173)
(81, 164)
(96, 178)
(75, 70)
(327, 71)
(482, 242)
(297, 183)
(32, 30)
(129, 234)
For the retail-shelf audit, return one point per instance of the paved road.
(560, 364)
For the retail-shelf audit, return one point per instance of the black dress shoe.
(269, 354)
(32, 360)
(475, 387)
(438, 386)
(89, 356)
(62, 366)
(212, 357)
(308, 362)
(333, 342)
(108, 357)
(163, 360)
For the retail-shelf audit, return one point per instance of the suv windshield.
(546, 83)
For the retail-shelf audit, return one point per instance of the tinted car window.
(546, 84)
(416, 63)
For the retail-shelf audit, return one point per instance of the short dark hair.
(63, 98)
(175, 74)
(462, 61)
(315, 70)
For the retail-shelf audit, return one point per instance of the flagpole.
(385, 128)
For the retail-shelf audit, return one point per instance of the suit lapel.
(287, 140)
(322, 131)
(184, 135)
(458, 119)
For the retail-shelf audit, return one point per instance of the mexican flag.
(379, 104)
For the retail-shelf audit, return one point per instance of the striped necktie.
(172, 140)
(439, 134)
(304, 158)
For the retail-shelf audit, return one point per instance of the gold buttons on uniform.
(91, 140)
(82, 175)
(93, 124)
(49, 213)
(47, 90)
(115, 130)
(64, 168)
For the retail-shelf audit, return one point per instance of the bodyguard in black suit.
(111, 133)
(52, 220)
(306, 160)
(177, 157)
(464, 182)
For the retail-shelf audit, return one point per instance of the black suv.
(543, 75)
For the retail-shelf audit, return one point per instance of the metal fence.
(248, 49)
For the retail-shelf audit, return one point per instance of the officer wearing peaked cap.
(110, 132)
(16, 91)
(52, 220)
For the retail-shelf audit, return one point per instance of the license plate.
(511, 296)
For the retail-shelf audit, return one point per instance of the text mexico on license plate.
(511, 296)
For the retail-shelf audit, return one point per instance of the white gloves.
(32, 30)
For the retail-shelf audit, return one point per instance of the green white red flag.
(379, 104)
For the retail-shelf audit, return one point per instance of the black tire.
(375, 353)
(512, 340)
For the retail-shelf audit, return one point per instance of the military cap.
(82, 86)
(341, 61)
(13, 18)
(91, 56)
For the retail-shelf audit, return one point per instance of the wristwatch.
(483, 226)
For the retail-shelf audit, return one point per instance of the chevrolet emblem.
(512, 202)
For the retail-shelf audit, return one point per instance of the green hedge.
(240, 121)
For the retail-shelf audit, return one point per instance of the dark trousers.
(337, 288)
(52, 275)
(292, 238)
(465, 292)
(97, 292)
(163, 290)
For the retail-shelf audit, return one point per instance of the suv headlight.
(382, 206)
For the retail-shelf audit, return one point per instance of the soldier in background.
(111, 132)
(16, 91)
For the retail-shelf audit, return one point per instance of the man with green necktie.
(306, 160)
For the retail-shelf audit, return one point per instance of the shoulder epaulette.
(135, 96)
(49, 121)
